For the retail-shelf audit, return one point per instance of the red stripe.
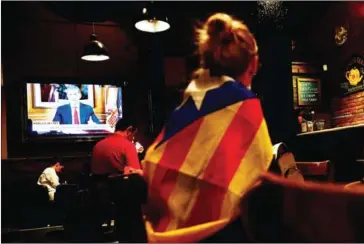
(112, 119)
(160, 136)
(155, 211)
(163, 184)
(204, 209)
(166, 174)
(225, 162)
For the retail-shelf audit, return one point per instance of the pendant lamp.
(95, 50)
(152, 20)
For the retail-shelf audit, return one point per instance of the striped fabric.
(202, 163)
(112, 119)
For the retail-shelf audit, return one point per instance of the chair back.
(356, 186)
(318, 171)
(279, 210)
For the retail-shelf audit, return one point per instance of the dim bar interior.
(310, 84)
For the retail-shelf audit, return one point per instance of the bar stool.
(118, 197)
(129, 192)
(86, 210)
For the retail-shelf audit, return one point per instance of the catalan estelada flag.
(210, 152)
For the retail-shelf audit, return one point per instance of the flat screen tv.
(62, 109)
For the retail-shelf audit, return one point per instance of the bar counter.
(342, 146)
(331, 130)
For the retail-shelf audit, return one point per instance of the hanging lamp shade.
(152, 20)
(95, 50)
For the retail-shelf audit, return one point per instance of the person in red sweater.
(116, 153)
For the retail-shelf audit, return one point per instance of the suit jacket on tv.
(64, 114)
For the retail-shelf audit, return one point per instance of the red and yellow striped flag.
(202, 163)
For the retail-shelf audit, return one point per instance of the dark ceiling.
(297, 13)
(294, 19)
(266, 19)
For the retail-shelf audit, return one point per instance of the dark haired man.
(116, 153)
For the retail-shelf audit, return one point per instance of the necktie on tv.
(75, 116)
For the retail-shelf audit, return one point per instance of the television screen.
(56, 109)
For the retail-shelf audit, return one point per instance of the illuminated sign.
(353, 76)
(308, 91)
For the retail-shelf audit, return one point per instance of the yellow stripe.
(184, 195)
(256, 160)
(185, 235)
(152, 158)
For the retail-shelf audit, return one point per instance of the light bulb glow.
(95, 57)
(152, 26)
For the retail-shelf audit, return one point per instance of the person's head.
(126, 127)
(73, 94)
(227, 47)
(57, 165)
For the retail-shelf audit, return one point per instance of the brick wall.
(348, 110)
(304, 68)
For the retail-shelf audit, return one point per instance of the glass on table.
(320, 124)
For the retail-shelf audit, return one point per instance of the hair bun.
(219, 26)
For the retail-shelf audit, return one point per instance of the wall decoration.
(353, 80)
(341, 35)
(306, 92)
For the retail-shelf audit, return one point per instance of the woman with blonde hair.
(215, 144)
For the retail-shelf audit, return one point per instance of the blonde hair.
(226, 46)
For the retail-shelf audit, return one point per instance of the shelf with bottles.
(331, 130)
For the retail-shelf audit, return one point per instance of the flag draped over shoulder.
(204, 160)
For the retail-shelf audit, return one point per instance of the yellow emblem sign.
(353, 76)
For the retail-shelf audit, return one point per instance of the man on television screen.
(75, 112)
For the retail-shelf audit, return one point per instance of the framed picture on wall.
(307, 92)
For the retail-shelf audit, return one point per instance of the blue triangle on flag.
(215, 99)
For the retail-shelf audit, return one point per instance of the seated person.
(50, 179)
(75, 112)
(112, 156)
(116, 153)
